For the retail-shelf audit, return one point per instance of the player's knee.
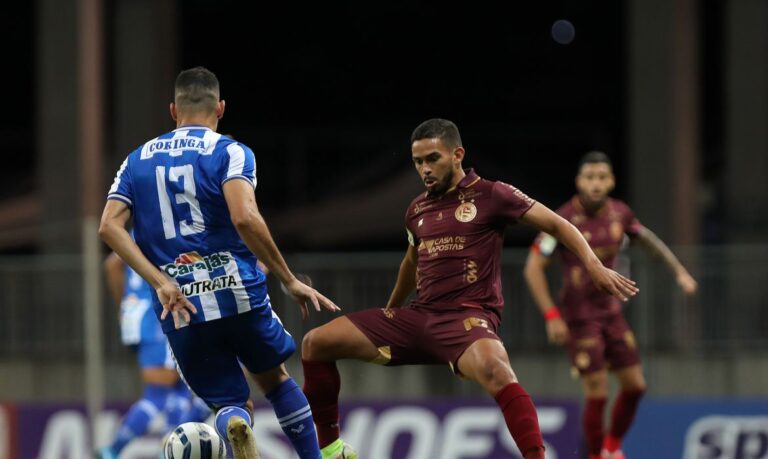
(596, 384)
(313, 344)
(495, 374)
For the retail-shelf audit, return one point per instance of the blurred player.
(455, 234)
(163, 392)
(198, 232)
(592, 324)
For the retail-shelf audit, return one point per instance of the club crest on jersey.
(466, 212)
(189, 262)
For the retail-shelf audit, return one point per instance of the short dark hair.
(438, 128)
(594, 157)
(196, 90)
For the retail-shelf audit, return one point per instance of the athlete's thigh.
(338, 339)
(452, 333)
(620, 345)
(209, 365)
(398, 334)
(586, 347)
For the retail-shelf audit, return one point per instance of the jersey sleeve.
(239, 163)
(122, 186)
(510, 203)
(411, 238)
(544, 244)
(632, 225)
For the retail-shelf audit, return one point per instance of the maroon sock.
(594, 409)
(321, 386)
(624, 412)
(522, 421)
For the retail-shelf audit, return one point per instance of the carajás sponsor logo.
(189, 262)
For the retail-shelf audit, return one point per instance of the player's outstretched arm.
(536, 278)
(542, 218)
(112, 231)
(253, 230)
(648, 239)
(114, 271)
(406, 279)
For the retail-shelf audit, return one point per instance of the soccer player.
(163, 392)
(198, 231)
(455, 234)
(592, 324)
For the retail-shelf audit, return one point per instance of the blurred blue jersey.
(138, 324)
(181, 222)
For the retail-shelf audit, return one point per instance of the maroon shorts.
(417, 336)
(597, 342)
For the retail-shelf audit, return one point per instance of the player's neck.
(206, 121)
(592, 207)
(457, 178)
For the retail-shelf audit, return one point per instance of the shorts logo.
(471, 322)
(466, 212)
(388, 313)
(629, 338)
(187, 263)
(582, 360)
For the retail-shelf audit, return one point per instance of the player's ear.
(220, 105)
(172, 108)
(458, 154)
(611, 182)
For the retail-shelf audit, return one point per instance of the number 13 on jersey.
(185, 201)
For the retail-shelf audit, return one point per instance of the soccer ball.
(194, 440)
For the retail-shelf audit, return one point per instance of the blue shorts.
(154, 354)
(209, 354)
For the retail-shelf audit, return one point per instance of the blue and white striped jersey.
(181, 222)
(138, 323)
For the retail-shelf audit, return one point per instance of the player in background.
(198, 233)
(589, 321)
(453, 262)
(163, 390)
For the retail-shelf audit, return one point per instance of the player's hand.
(175, 302)
(687, 283)
(614, 283)
(557, 331)
(306, 295)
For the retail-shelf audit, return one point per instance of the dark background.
(348, 82)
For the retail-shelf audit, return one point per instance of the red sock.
(522, 421)
(321, 386)
(594, 409)
(623, 414)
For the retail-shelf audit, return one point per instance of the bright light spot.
(563, 31)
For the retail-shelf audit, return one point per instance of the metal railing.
(41, 314)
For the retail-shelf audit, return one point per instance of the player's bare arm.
(253, 230)
(406, 279)
(536, 278)
(114, 271)
(608, 280)
(112, 231)
(653, 244)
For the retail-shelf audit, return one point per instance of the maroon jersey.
(604, 230)
(459, 237)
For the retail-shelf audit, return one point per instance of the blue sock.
(295, 418)
(136, 420)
